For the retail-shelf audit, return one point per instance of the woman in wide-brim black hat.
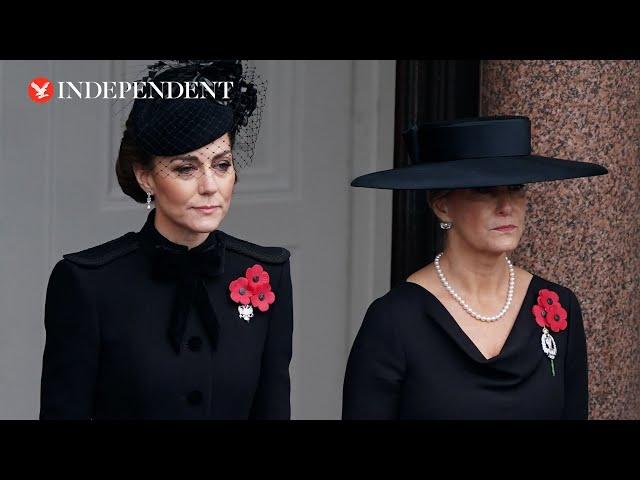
(471, 336)
(178, 320)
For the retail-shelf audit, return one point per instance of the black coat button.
(195, 397)
(195, 344)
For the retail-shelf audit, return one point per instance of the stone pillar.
(585, 233)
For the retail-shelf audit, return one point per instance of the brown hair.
(129, 154)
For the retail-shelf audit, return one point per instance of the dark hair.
(129, 154)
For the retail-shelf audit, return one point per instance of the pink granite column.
(585, 233)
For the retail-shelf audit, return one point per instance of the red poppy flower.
(541, 315)
(257, 276)
(240, 291)
(556, 317)
(263, 297)
(548, 312)
(546, 298)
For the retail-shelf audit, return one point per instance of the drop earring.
(148, 200)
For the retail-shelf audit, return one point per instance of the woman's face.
(486, 219)
(192, 192)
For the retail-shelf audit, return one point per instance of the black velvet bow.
(189, 269)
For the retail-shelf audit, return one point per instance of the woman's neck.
(475, 273)
(177, 234)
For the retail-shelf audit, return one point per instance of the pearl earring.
(446, 225)
(148, 200)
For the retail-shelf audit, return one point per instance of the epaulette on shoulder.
(107, 252)
(262, 254)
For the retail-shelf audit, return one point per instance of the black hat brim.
(478, 172)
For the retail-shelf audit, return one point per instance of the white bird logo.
(41, 92)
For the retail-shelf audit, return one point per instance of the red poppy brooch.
(549, 314)
(252, 290)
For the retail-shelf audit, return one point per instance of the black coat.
(411, 360)
(117, 345)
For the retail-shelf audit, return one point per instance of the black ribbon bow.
(189, 269)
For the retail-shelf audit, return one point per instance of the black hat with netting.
(205, 107)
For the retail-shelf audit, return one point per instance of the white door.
(325, 122)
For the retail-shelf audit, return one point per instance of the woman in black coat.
(470, 336)
(178, 320)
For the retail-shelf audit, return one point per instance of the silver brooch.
(246, 312)
(549, 347)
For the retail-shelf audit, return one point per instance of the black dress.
(143, 328)
(411, 360)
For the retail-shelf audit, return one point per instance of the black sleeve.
(272, 399)
(375, 368)
(576, 400)
(70, 361)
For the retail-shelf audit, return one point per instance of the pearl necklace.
(445, 283)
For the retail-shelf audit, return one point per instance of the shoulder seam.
(103, 254)
(263, 254)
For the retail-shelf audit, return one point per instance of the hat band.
(469, 140)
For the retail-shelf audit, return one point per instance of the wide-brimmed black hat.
(474, 152)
